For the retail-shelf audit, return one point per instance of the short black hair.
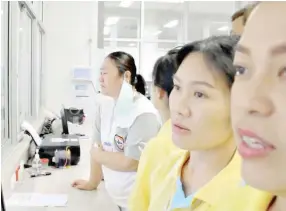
(164, 69)
(125, 62)
(218, 51)
(244, 12)
(238, 14)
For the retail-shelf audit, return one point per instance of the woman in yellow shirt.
(259, 110)
(200, 116)
(161, 146)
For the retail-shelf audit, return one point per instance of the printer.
(54, 142)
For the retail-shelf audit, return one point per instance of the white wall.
(71, 29)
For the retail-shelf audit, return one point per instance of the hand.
(83, 185)
(95, 152)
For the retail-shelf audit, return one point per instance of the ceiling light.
(223, 28)
(111, 21)
(171, 24)
(131, 44)
(125, 3)
(106, 30)
(174, 1)
(157, 33)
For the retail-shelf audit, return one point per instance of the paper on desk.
(73, 139)
(59, 140)
(37, 200)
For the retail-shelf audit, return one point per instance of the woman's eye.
(199, 95)
(176, 87)
(282, 72)
(239, 70)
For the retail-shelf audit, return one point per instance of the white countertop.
(60, 183)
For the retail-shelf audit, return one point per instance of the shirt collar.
(246, 199)
(179, 200)
(225, 181)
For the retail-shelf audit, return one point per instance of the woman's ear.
(160, 92)
(127, 76)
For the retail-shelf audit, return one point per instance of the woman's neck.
(204, 165)
(165, 115)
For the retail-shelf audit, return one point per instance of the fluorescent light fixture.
(131, 44)
(174, 1)
(106, 30)
(223, 28)
(157, 33)
(126, 3)
(171, 24)
(111, 21)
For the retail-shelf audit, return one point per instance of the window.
(39, 67)
(148, 29)
(150, 52)
(163, 21)
(5, 110)
(20, 71)
(131, 47)
(121, 20)
(209, 18)
(25, 71)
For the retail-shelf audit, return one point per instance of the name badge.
(120, 139)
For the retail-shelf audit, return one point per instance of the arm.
(96, 174)
(135, 142)
(95, 168)
(117, 161)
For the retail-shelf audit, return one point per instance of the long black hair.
(125, 62)
(164, 69)
(140, 84)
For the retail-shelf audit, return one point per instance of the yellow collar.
(226, 180)
(245, 199)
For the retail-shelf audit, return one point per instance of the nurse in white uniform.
(125, 121)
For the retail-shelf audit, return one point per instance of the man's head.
(239, 19)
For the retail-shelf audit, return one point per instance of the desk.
(60, 183)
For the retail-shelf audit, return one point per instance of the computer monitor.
(64, 122)
(72, 115)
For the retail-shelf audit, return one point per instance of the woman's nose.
(182, 107)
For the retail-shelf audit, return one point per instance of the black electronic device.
(73, 115)
(51, 143)
(3, 208)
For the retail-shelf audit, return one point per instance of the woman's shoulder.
(244, 199)
(144, 105)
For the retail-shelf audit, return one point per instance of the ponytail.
(140, 84)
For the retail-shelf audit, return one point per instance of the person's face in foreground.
(259, 98)
(199, 105)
